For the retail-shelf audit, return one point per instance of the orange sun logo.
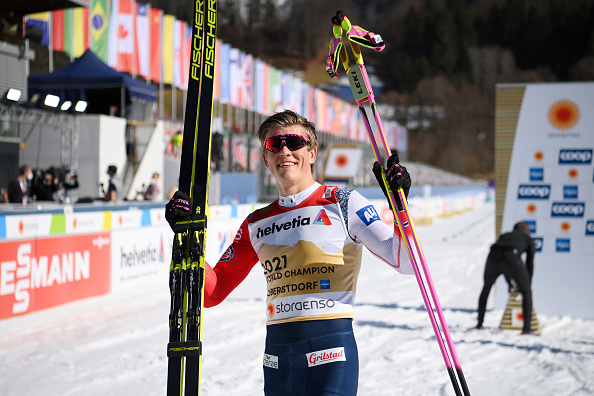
(539, 155)
(270, 310)
(531, 208)
(565, 226)
(572, 173)
(564, 114)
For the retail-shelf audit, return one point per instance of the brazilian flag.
(99, 22)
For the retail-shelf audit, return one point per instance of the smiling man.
(309, 243)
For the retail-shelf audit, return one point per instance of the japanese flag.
(342, 161)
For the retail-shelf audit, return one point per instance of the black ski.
(186, 276)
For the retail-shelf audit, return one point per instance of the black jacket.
(520, 242)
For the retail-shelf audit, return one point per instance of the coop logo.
(590, 228)
(536, 174)
(529, 191)
(570, 192)
(563, 245)
(538, 241)
(575, 157)
(563, 209)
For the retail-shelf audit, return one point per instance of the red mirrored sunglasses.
(293, 142)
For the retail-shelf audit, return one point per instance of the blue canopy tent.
(91, 80)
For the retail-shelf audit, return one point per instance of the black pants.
(508, 263)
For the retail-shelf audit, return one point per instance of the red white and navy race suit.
(310, 247)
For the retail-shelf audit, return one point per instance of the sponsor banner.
(325, 356)
(87, 222)
(28, 226)
(314, 304)
(123, 219)
(42, 273)
(551, 182)
(157, 217)
(138, 255)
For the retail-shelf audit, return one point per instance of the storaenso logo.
(297, 222)
(526, 191)
(564, 209)
(304, 305)
(576, 156)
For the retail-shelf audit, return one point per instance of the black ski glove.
(178, 208)
(396, 175)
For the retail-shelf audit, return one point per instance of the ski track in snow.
(116, 344)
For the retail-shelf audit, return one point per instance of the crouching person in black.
(505, 258)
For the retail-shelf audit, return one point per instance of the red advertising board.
(40, 273)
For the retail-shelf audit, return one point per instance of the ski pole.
(363, 92)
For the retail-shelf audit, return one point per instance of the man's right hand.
(178, 208)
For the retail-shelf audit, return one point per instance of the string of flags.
(135, 38)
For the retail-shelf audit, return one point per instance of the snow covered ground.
(115, 344)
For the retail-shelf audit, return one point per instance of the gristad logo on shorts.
(325, 356)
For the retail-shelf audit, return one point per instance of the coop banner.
(551, 186)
